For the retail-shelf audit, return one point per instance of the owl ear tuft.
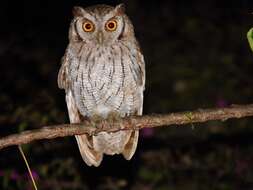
(120, 9)
(77, 11)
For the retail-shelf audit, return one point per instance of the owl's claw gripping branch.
(130, 123)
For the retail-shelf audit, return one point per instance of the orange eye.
(88, 26)
(111, 25)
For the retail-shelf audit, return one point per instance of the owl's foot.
(99, 121)
(96, 118)
(113, 117)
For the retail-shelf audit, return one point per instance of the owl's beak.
(100, 37)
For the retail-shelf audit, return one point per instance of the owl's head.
(100, 25)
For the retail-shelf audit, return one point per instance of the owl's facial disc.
(99, 29)
(111, 29)
(107, 32)
(100, 37)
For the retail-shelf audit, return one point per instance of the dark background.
(197, 56)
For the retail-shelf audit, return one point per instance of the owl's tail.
(89, 155)
(92, 152)
(131, 145)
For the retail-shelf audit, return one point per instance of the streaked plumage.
(103, 73)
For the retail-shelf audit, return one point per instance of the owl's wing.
(63, 81)
(139, 72)
(90, 156)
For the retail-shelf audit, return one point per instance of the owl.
(103, 74)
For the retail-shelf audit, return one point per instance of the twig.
(28, 167)
(129, 123)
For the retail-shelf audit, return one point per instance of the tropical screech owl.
(103, 73)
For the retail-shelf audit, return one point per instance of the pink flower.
(221, 103)
(34, 174)
(147, 132)
(15, 175)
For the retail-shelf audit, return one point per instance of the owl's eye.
(111, 25)
(88, 26)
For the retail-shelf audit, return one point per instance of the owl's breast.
(103, 81)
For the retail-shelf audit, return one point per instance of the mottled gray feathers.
(101, 79)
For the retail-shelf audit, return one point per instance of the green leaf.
(250, 38)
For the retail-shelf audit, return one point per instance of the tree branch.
(129, 123)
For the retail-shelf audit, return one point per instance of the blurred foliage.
(250, 38)
(196, 55)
